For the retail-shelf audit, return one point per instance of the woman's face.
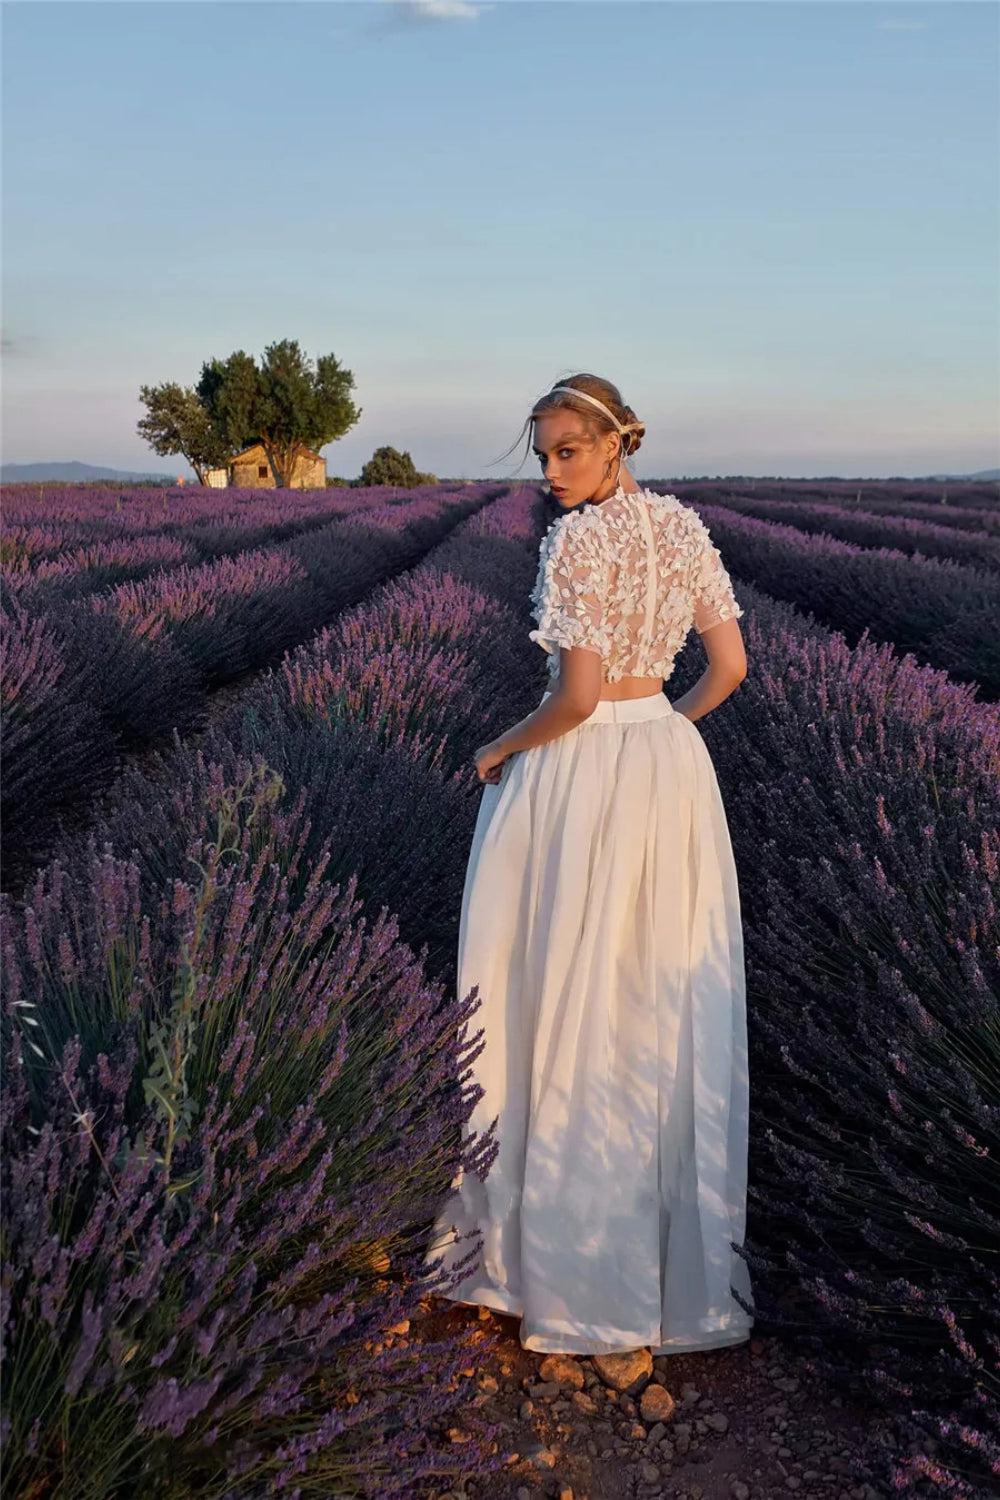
(573, 463)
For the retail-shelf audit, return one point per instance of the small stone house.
(250, 470)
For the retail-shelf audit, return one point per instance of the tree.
(176, 421)
(389, 466)
(284, 404)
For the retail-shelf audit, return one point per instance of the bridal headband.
(572, 391)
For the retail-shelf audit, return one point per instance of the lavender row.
(47, 519)
(40, 524)
(961, 505)
(44, 564)
(87, 680)
(863, 798)
(942, 611)
(869, 529)
(230, 1108)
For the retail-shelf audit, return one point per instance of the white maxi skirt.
(601, 921)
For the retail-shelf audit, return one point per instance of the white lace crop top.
(627, 578)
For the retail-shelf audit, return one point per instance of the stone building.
(250, 470)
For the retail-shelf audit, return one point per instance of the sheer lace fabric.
(628, 578)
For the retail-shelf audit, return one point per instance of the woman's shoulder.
(592, 521)
(578, 521)
(670, 504)
(688, 522)
(581, 517)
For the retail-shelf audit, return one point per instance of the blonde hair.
(595, 422)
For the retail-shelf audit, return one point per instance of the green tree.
(285, 404)
(176, 421)
(229, 391)
(389, 466)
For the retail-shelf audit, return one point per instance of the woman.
(601, 921)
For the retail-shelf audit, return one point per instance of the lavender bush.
(219, 1115)
(941, 610)
(43, 521)
(863, 794)
(146, 656)
(962, 505)
(89, 550)
(225, 616)
(874, 529)
(77, 693)
(230, 1028)
(55, 745)
(98, 565)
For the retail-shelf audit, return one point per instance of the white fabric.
(601, 921)
(628, 577)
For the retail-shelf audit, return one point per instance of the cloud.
(17, 345)
(434, 10)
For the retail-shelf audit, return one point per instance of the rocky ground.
(745, 1423)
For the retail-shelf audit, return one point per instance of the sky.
(774, 226)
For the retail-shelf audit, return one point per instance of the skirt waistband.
(626, 710)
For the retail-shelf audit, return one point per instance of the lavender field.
(237, 808)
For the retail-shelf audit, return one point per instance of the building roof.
(255, 448)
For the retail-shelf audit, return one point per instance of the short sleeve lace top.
(627, 578)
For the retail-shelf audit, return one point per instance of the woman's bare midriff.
(627, 688)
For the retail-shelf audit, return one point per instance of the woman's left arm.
(572, 700)
(570, 596)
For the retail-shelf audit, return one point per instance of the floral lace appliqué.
(595, 589)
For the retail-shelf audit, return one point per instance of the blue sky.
(774, 225)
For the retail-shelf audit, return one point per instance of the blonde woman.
(601, 921)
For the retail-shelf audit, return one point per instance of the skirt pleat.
(601, 921)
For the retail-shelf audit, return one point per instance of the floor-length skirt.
(601, 921)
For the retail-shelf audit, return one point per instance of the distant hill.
(984, 474)
(77, 473)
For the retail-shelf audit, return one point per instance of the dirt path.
(747, 1423)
